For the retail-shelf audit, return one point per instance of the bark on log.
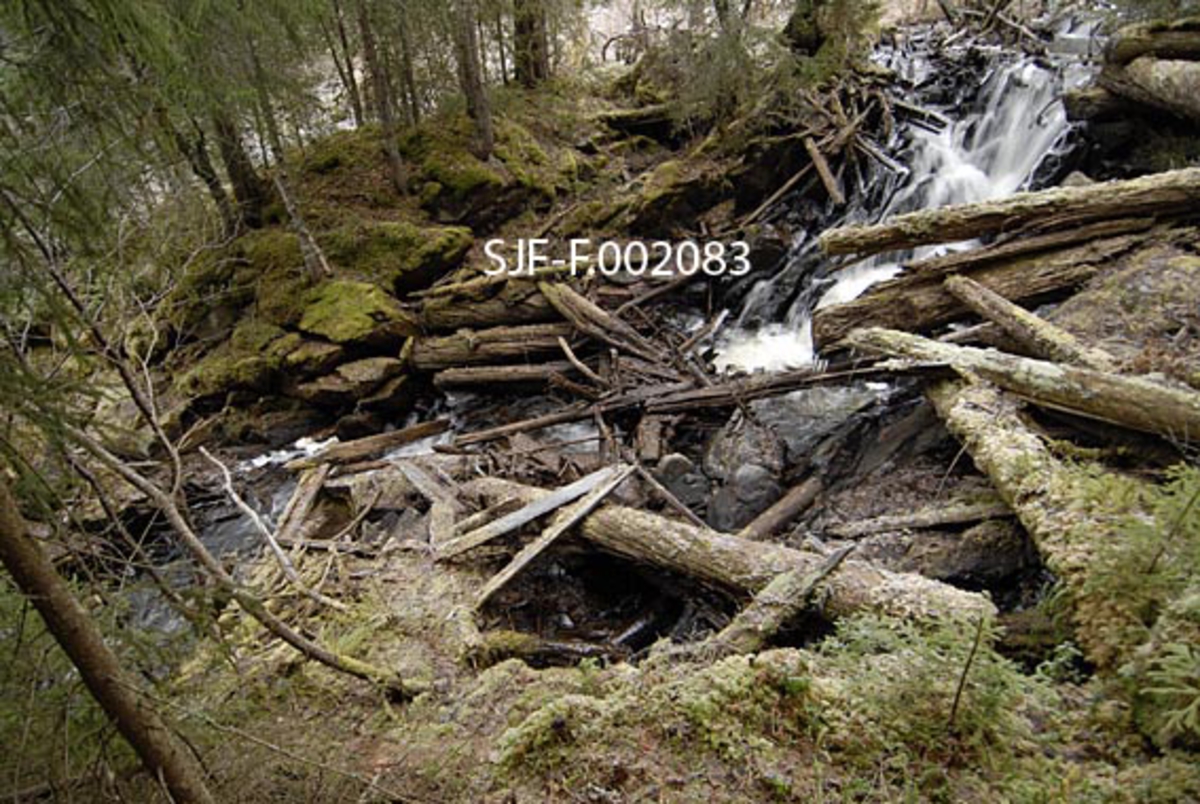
(1135, 402)
(922, 303)
(514, 302)
(933, 517)
(1174, 40)
(741, 567)
(490, 375)
(593, 321)
(1043, 339)
(1170, 85)
(1173, 192)
(369, 447)
(497, 345)
(787, 508)
(1046, 496)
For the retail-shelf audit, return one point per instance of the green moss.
(249, 360)
(399, 254)
(348, 312)
(272, 251)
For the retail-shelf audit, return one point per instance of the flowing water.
(1014, 125)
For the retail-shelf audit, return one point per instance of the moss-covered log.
(921, 303)
(1170, 193)
(740, 567)
(516, 301)
(1136, 402)
(495, 345)
(1179, 39)
(1048, 499)
(1171, 85)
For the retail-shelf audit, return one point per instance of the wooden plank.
(563, 523)
(524, 515)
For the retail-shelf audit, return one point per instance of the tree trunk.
(351, 81)
(408, 74)
(196, 153)
(920, 302)
(1174, 192)
(497, 345)
(249, 189)
(501, 48)
(1139, 403)
(531, 51)
(742, 568)
(470, 80)
(383, 97)
(164, 756)
(314, 259)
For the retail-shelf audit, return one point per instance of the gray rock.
(742, 442)
(751, 490)
(804, 418)
(681, 478)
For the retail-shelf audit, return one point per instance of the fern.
(1175, 676)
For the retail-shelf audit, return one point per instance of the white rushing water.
(989, 153)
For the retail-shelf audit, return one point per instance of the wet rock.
(359, 425)
(395, 397)
(681, 477)
(751, 490)
(802, 419)
(741, 442)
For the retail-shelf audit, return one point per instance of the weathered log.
(295, 513)
(1008, 250)
(593, 321)
(1170, 193)
(788, 507)
(517, 301)
(1179, 39)
(780, 602)
(740, 567)
(1139, 403)
(1093, 103)
(469, 376)
(922, 303)
(932, 517)
(369, 447)
(495, 345)
(1170, 85)
(1048, 499)
(1036, 334)
(827, 177)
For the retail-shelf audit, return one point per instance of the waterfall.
(991, 152)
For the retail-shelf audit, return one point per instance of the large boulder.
(400, 255)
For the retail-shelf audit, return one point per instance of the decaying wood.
(827, 177)
(295, 513)
(469, 376)
(593, 321)
(936, 516)
(371, 446)
(1139, 403)
(444, 507)
(788, 507)
(1036, 334)
(1175, 192)
(779, 602)
(488, 514)
(495, 345)
(564, 522)
(921, 303)
(1045, 494)
(1170, 85)
(649, 438)
(1007, 250)
(1167, 40)
(741, 567)
(552, 501)
(516, 301)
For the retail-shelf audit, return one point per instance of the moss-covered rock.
(349, 383)
(311, 358)
(355, 313)
(401, 255)
(673, 195)
(249, 361)
(205, 303)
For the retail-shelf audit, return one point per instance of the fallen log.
(1068, 525)
(780, 602)
(1042, 338)
(827, 177)
(469, 376)
(1167, 40)
(295, 513)
(1139, 403)
(741, 568)
(594, 322)
(1170, 193)
(788, 507)
(516, 301)
(371, 446)
(495, 345)
(1170, 85)
(921, 303)
(932, 517)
